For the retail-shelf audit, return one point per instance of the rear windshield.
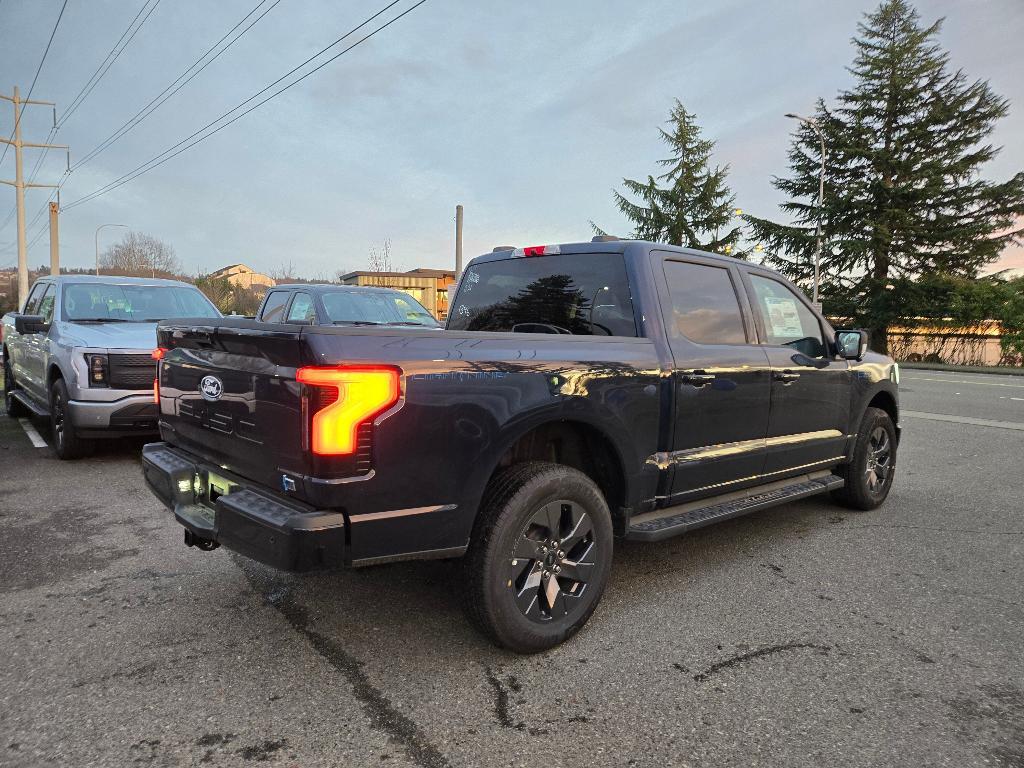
(134, 303)
(376, 308)
(580, 294)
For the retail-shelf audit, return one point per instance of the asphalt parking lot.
(807, 635)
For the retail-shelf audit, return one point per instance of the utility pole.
(54, 241)
(20, 186)
(458, 242)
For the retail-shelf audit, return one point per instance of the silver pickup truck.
(80, 353)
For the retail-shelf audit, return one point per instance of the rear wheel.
(66, 441)
(14, 408)
(540, 556)
(870, 473)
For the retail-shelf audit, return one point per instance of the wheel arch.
(53, 372)
(574, 443)
(886, 401)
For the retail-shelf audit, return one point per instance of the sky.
(527, 113)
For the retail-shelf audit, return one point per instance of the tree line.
(909, 218)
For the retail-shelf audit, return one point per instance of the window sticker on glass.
(782, 315)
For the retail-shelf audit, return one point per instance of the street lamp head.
(790, 114)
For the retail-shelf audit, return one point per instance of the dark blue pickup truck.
(580, 392)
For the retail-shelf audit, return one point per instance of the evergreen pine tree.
(690, 203)
(904, 195)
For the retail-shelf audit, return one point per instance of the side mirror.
(29, 324)
(852, 345)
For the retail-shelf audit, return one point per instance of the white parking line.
(964, 420)
(35, 437)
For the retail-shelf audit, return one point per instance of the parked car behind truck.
(80, 354)
(579, 392)
(331, 304)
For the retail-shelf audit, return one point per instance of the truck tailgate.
(229, 393)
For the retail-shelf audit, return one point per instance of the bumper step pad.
(665, 523)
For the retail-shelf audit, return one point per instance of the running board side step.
(665, 523)
(29, 403)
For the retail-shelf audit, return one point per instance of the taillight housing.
(340, 399)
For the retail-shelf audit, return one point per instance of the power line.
(170, 153)
(38, 70)
(178, 83)
(137, 119)
(85, 90)
(108, 62)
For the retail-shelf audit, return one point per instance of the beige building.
(428, 286)
(242, 276)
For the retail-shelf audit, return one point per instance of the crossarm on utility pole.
(19, 183)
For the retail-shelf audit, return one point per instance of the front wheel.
(870, 473)
(66, 441)
(540, 556)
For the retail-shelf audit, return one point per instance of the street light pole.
(821, 196)
(101, 226)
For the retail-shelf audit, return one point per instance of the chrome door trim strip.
(666, 459)
(833, 460)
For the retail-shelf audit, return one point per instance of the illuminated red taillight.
(356, 394)
(158, 353)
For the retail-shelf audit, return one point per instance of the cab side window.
(46, 303)
(705, 308)
(273, 307)
(788, 322)
(302, 309)
(32, 304)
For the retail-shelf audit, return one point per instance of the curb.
(996, 370)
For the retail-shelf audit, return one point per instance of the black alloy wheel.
(872, 466)
(552, 561)
(539, 557)
(879, 459)
(66, 442)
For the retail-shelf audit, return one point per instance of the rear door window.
(302, 310)
(273, 307)
(788, 322)
(705, 308)
(582, 294)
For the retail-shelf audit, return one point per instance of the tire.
(66, 442)
(870, 473)
(508, 591)
(14, 408)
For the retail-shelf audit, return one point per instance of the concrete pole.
(458, 241)
(54, 242)
(19, 193)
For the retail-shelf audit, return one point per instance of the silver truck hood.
(110, 335)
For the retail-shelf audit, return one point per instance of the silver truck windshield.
(375, 307)
(112, 303)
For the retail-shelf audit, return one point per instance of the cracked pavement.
(806, 635)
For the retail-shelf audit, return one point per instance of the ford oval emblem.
(211, 387)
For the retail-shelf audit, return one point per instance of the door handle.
(786, 377)
(697, 378)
